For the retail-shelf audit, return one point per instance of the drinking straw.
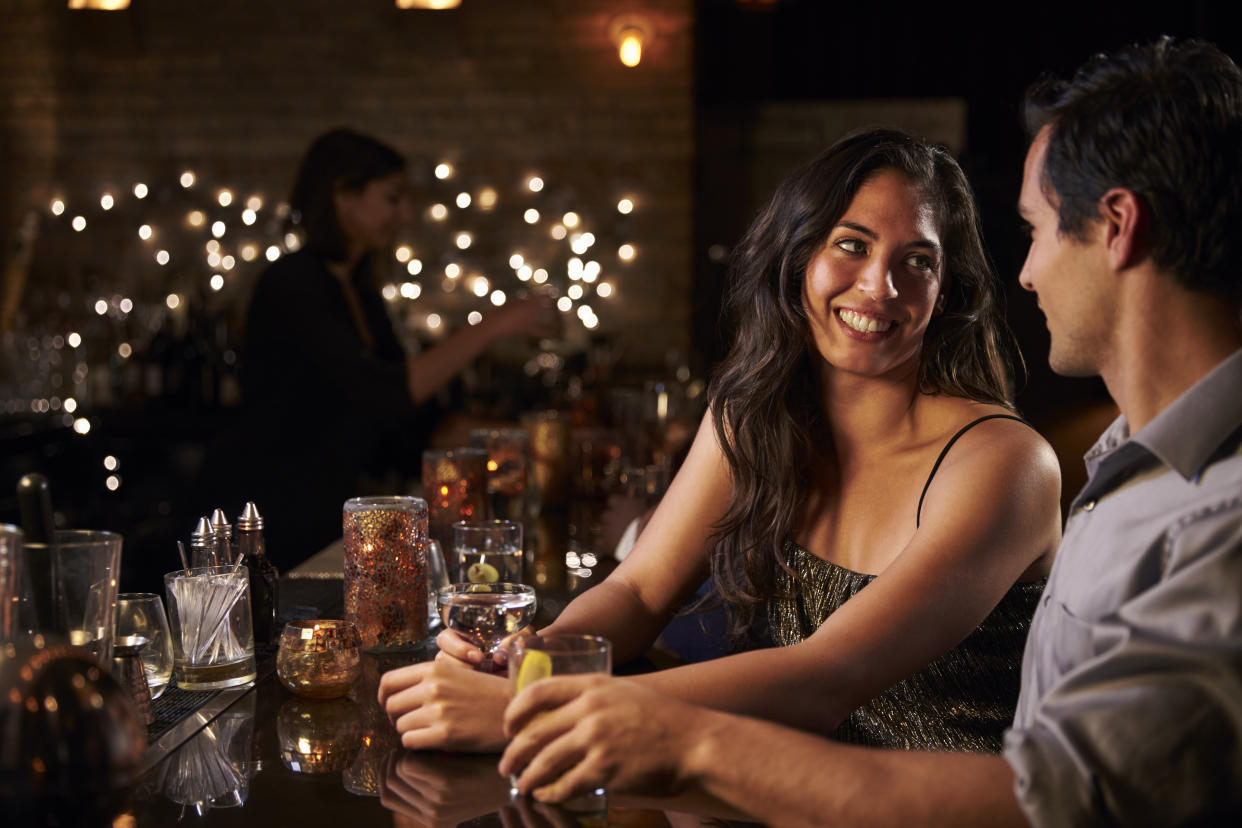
(181, 551)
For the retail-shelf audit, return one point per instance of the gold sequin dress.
(961, 701)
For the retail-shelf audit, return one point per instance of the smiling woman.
(875, 519)
(871, 290)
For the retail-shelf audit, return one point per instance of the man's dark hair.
(1163, 120)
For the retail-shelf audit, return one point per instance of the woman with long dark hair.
(873, 515)
(324, 377)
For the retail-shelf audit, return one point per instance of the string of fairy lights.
(471, 248)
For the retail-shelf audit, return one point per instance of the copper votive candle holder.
(319, 659)
(455, 486)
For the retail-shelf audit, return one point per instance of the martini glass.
(487, 614)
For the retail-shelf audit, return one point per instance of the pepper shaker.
(264, 577)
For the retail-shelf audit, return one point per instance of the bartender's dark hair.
(765, 398)
(339, 158)
(1163, 120)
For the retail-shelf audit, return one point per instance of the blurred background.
(146, 153)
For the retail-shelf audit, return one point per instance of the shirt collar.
(1190, 429)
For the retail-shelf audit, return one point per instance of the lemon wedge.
(536, 665)
(482, 573)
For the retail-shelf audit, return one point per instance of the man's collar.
(1190, 429)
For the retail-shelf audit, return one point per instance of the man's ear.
(1125, 219)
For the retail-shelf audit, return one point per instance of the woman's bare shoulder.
(1006, 452)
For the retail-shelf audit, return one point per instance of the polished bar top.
(263, 756)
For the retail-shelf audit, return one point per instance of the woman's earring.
(940, 303)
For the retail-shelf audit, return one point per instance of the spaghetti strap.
(919, 513)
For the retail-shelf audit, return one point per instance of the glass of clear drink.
(487, 614)
(488, 551)
(536, 657)
(142, 614)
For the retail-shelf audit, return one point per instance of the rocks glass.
(210, 626)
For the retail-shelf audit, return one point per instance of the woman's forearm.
(787, 685)
(614, 611)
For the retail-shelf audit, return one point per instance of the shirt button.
(1088, 506)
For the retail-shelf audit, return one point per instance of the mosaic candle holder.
(319, 659)
(455, 485)
(549, 449)
(386, 570)
(508, 467)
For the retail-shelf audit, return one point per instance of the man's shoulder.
(1218, 498)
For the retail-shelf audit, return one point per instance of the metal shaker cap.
(250, 519)
(203, 532)
(220, 523)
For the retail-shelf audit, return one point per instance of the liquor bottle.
(264, 577)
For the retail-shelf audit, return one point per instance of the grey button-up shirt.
(1131, 705)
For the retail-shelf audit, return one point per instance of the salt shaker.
(202, 545)
(224, 537)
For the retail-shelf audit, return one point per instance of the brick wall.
(91, 102)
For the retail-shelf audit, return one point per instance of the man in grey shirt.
(1131, 705)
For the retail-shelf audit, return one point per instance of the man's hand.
(573, 734)
(443, 705)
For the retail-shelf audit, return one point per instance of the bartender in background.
(328, 389)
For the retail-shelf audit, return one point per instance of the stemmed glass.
(142, 614)
(487, 614)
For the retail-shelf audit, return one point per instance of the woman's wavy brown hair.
(764, 398)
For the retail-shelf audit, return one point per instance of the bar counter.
(263, 756)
